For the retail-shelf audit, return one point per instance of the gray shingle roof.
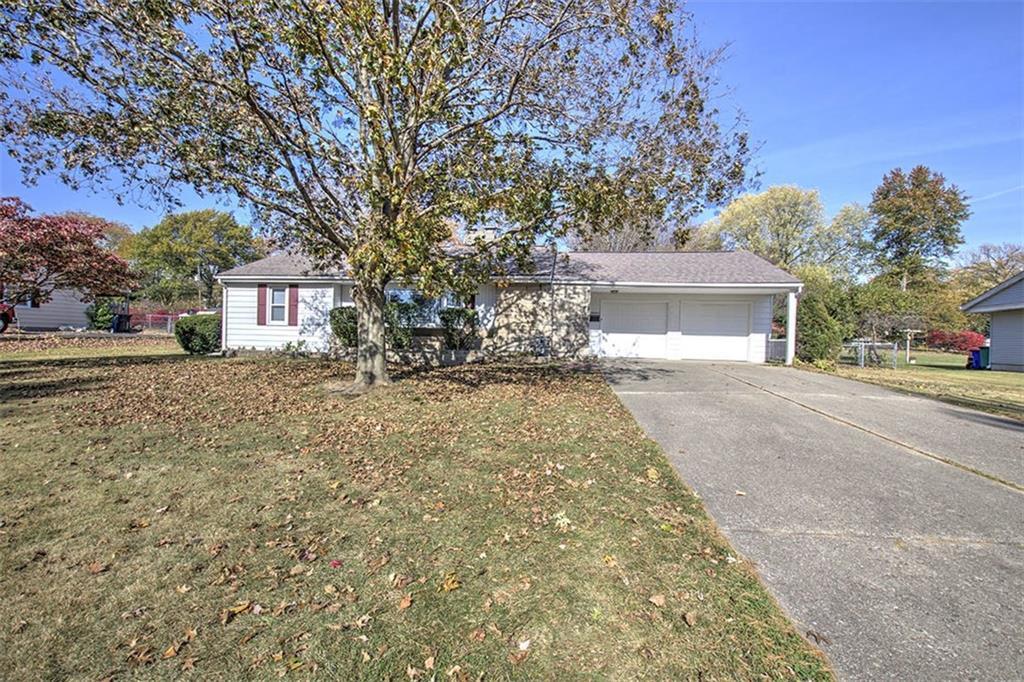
(673, 267)
(667, 267)
(284, 265)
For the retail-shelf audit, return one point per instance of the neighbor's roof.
(989, 303)
(646, 268)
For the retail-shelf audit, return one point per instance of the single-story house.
(65, 309)
(1005, 303)
(673, 305)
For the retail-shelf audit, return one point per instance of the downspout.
(223, 317)
(551, 285)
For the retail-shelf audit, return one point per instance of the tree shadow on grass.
(48, 378)
(493, 373)
(49, 388)
(8, 367)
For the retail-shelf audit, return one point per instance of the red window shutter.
(261, 304)
(293, 305)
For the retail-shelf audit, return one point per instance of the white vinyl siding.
(315, 303)
(1007, 339)
(681, 327)
(65, 309)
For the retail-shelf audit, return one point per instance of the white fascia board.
(972, 306)
(287, 279)
(655, 287)
(659, 287)
(981, 309)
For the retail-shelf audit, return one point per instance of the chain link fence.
(157, 322)
(870, 354)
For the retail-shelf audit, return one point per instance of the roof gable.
(1008, 295)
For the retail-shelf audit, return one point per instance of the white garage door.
(716, 331)
(633, 329)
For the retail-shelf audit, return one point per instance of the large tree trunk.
(371, 359)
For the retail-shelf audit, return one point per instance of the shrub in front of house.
(399, 321)
(344, 326)
(459, 326)
(819, 336)
(958, 342)
(198, 334)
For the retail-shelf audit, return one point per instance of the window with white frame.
(278, 305)
(426, 310)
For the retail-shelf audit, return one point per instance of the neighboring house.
(673, 305)
(1005, 303)
(64, 309)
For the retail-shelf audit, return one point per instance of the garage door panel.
(716, 331)
(634, 318)
(701, 330)
(634, 329)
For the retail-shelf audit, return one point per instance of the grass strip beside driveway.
(944, 377)
(225, 518)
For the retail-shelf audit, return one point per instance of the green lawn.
(162, 515)
(943, 376)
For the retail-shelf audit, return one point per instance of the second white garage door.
(716, 331)
(634, 329)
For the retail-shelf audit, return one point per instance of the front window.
(277, 304)
(424, 312)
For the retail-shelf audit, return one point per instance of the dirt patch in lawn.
(223, 518)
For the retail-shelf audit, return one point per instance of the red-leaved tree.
(42, 253)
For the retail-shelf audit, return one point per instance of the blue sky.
(837, 94)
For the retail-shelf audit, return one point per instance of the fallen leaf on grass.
(182, 589)
(227, 615)
(450, 582)
(429, 663)
(97, 567)
(517, 657)
(478, 635)
(170, 652)
(691, 618)
(609, 561)
(658, 600)
(653, 474)
(405, 603)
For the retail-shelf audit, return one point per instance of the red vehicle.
(6, 316)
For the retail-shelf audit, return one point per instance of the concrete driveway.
(890, 528)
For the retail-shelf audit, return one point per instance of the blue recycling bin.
(976, 359)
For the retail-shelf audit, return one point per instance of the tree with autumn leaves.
(362, 131)
(40, 254)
